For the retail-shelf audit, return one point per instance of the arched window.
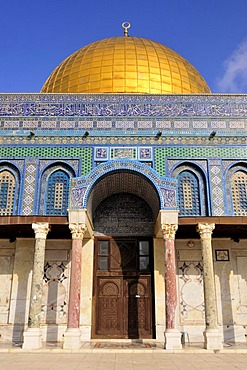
(188, 194)
(7, 193)
(239, 193)
(57, 193)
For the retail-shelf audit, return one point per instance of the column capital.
(205, 230)
(41, 229)
(77, 230)
(169, 230)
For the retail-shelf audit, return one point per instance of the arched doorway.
(124, 206)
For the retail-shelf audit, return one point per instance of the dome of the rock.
(126, 65)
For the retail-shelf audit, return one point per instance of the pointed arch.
(191, 190)
(9, 189)
(55, 189)
(237, 188)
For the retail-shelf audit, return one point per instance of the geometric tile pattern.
(217, 201)
(202, 151)
(159, 161)
(29, 186)
(53, 152)
(55, 293)
(59, 151)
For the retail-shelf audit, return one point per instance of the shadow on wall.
(223, 270)
(7, 251)
(21, 285)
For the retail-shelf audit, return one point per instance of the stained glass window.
(188, 194)
(57, 193)
(239, 193)
(7, 193)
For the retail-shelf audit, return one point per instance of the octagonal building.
(123, 203)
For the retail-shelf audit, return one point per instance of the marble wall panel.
(86, 288)
(55, 286)
(242, 281)
(6, 270)
(21, 285)
(231, 290)
(191, 294)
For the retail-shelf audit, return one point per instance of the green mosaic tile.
(54, 152)
(87, 161)
(196, 152)
(159, 161)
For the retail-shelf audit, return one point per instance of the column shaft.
(212, 335)
(41, 230)
(77, 231)
(205, 231)
(75, 285)
(172, 335)
(170, 283)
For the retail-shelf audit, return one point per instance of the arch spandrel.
(82, 187)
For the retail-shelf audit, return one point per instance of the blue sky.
(36, 35)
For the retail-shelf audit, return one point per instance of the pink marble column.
(72, 335)
(77, 231)
(170, 274)
(172, 335)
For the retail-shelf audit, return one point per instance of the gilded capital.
(77, 230)
(41, 229)
(205, 230)
(169, 230)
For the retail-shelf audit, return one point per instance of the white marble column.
(73, 333)
(172, 334)
(212, 336)
(33, 335)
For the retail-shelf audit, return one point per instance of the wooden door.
(122, 289)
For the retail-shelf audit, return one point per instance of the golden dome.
(125, 65)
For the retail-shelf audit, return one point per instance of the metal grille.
(57, 194)
(239, 193)
(188, 194)
(7, 193)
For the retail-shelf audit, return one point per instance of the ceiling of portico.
(124, 182)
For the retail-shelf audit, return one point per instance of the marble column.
(73, 333)
(172, 335)
(33, 335)
(212, 336)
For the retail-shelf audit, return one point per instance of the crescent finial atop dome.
(126, 26)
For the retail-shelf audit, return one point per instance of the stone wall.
(230, 261)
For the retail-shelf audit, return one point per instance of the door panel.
(109, 303)
(122, 291)
(138, 307)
